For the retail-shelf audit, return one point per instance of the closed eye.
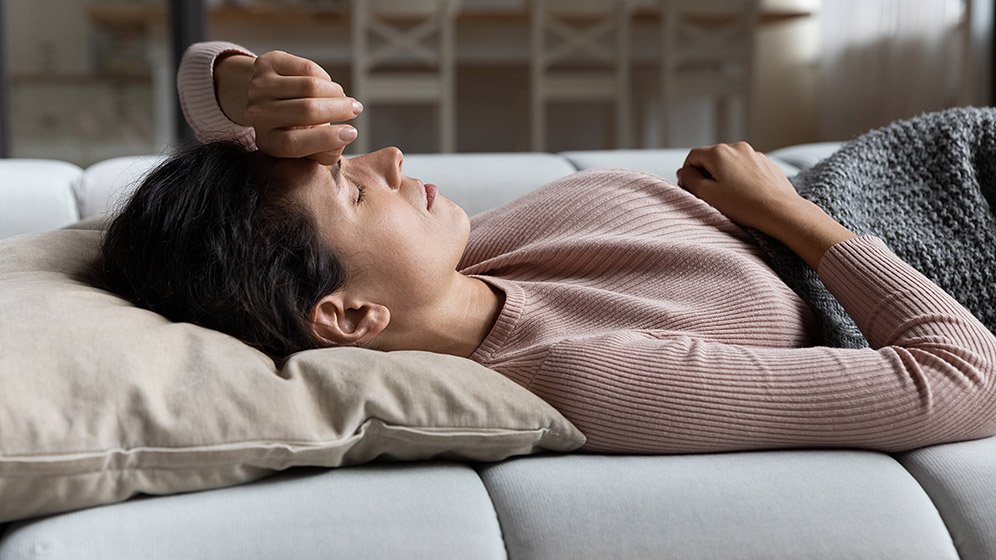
(337, 174)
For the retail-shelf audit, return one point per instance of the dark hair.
(213, 237)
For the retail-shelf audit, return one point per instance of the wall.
(786, 100)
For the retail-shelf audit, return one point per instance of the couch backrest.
(39, 195)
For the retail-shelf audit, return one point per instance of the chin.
(464, 231)
(461, 233)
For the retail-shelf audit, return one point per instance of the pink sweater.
(650, 321)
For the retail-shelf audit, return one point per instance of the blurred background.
(87, 80)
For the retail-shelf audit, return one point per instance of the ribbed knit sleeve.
(928, 378)
(195, 86)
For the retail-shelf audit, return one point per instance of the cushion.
(480, 182)
(477, 182)
(804, 156)
(429, 510)
(958, 478)
(663, 163)
(108, 184)
(102, 400)
(36, 195)
(805, 504)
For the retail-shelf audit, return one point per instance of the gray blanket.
(927, 187)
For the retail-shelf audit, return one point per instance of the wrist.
(808, 231)
(232, 72)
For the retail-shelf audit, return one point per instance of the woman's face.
(397, 250)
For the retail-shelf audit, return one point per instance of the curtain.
(885, 60)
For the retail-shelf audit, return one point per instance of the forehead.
(302, 178)
(294, 168)
(311, 184)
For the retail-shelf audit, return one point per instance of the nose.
(392, 160)
(385, 162)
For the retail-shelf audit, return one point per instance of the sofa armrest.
(37, 195)
(108, 184)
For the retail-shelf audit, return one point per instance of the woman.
(637, 308)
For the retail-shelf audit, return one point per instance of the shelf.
(77, 79)
(129, 17)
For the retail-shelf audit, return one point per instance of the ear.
(340, 321)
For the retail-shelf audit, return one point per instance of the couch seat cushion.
(959, 478)
(785, 504)
(392, 510)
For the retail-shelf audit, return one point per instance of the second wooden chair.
(586, 60)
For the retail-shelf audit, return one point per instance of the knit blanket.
(927, 187)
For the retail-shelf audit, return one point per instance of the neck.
(456, 326)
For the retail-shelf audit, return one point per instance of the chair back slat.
(580, 52)
(416, 36)
(707, 51)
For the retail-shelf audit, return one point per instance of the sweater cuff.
(195, 85)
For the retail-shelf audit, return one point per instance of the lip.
(430, 194)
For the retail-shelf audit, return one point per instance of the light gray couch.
(933, 503)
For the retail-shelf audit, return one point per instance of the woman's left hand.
(752, 191)
(297, 110)
(291, 102)
(743, 184)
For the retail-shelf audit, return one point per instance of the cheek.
(403, 242)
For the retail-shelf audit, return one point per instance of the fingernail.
(357, 107)
(347, 134)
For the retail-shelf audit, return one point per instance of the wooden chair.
(586, 60)
(403, 54)
(707, 51)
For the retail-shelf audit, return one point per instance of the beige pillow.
(100, 400)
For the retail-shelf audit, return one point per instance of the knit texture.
(195, 78)
(927, 187)
(653, 323)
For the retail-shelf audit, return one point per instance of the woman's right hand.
(294, 107)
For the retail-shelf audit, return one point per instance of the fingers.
(301, 112)
(305, 142)
(712, 159)
(287, 64)
(293, 87)
(291, 103)
(693, 179)
(698, 157)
